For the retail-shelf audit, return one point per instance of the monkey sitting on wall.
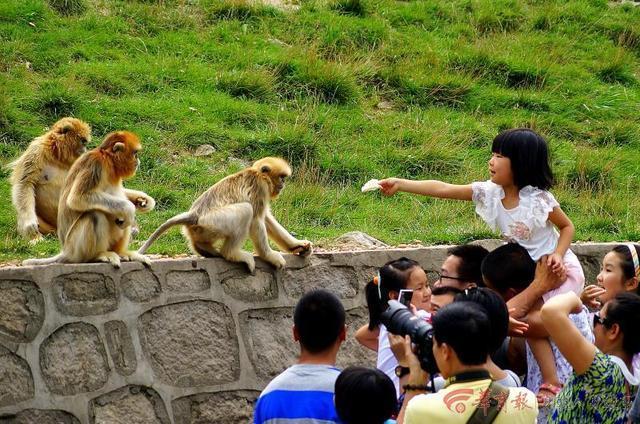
(96, 212)
(233, 209)
(38, 175)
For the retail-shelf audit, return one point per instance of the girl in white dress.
(516, 201)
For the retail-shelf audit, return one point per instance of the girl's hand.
(556, 263)
(589, 296)
(516, 327)
(389, 186)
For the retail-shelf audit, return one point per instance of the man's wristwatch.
(401, 371)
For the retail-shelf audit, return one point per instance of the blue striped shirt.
(303, 394)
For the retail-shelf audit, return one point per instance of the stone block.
(73, 360)
(128, 405)
(191, 343)
(250, 288)
(85, 293)
(120, 347)
(351, 352)
(187, 281)
(220, 408)
(21, 310)
(16, 381)
(40, 416)
(140, 285)
(343, 281)
(269, 340)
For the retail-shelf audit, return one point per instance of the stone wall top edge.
(185, 262)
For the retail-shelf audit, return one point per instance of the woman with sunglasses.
(394, 276)
(602, 387)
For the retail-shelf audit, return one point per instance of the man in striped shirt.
(303, 393)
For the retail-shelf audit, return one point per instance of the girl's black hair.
(628, 267)
(624, 310)
(364, 396)
(393, 277)
(529, 157)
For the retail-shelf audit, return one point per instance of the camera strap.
(469, 376)
(490, 405)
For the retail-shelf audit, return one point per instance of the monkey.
(237, 207)
(96, 212)
(38, 175)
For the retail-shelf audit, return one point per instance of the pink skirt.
(575, 277)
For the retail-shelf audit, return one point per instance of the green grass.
(305, 83)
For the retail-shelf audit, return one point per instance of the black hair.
(466, 328)
(624, 310)
(393, 277)
(440, 290)
(364, 396)
(471, 257)
(529, 157)
(508, 266)
(628, 267)
(496, 310)
(319, 318)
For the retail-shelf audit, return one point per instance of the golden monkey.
(235, 208)
(39, 173)
(96, 212)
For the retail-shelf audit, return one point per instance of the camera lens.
(399, 320)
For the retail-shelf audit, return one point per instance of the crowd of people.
(486, 371)
(507, 336)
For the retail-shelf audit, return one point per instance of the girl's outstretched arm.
(567, 230)
(433, 188)
(573, 346)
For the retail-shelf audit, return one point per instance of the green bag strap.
(488, 409)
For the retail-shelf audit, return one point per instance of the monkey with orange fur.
(95, 211)
(38, 175)
(235, 208)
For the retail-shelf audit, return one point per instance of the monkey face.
(123, 148)
(72, 137)
(278, 184)
(275, 171)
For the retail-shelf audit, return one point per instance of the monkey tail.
(44, 261)
(185, 218)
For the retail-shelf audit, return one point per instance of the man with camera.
(457, 345)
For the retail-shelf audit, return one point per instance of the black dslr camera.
(399, 320)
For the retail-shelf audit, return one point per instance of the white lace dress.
(528, 225)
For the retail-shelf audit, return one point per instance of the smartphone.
(404, 297)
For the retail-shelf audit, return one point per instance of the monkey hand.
(144, 204)
(304, 248)
(29, 230)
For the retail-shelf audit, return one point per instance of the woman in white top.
(394, 276)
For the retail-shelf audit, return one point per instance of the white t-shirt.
(386, 361)
(527, 224)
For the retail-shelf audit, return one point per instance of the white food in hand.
(371, 185)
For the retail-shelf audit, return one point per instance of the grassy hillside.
(347, 90)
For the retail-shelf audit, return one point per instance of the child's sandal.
(543, 400)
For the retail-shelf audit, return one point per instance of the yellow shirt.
(457, 402)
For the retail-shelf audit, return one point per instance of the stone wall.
(186, 341)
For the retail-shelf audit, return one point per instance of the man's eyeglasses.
(439, 276)
(597, 319)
